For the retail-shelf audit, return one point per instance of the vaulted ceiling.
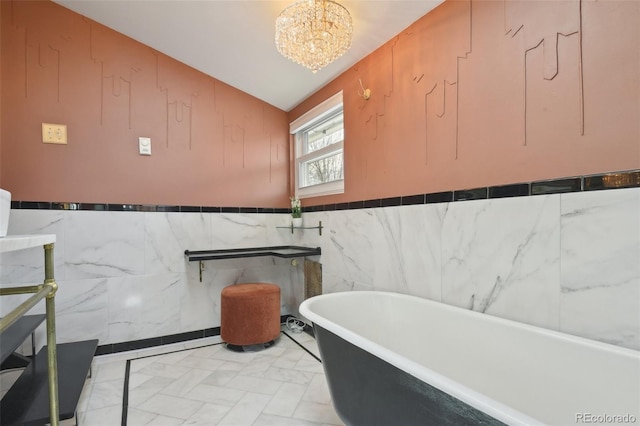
(233, 40)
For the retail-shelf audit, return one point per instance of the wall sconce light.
(366, 93)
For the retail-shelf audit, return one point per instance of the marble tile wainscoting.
(123, 275)
(565, 261)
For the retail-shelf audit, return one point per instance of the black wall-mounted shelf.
(285, 252)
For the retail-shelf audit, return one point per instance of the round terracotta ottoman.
(250, 315)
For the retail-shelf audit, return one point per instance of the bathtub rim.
(465, 394)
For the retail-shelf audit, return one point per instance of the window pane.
(319, 144)
(326, 133)
(322, 170)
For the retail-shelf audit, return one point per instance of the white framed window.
(319, 146)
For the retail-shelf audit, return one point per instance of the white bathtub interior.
(545, 375)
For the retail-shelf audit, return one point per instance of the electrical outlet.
(54, 133)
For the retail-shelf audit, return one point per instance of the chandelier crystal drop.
(314, 33)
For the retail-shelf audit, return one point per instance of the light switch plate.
(144, 146)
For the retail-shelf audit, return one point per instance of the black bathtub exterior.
(368, 391)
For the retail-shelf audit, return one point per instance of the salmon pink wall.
(212, 144)
(1, 49)
(480, 93)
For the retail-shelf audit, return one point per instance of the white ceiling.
(233, 40)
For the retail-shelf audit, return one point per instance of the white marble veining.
(276, 234)
(104, 244)
(600, 269)
(123, 275)
(82, 310)
(25, 266)
(168, 235)
(408, 255)
(200, 301)
(501, 257)
(147, 305)
(239, 230)
(347, 247)
(568, 262)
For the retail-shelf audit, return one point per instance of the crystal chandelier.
(314, 33)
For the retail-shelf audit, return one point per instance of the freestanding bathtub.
(394, 359)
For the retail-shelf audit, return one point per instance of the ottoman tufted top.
(249, 289)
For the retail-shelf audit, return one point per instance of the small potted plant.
(296, 212)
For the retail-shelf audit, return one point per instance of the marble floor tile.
(215, 395)
(193, 361)
(139, 417)
(171, 406)
(111, 415)
(254, 384)
(273, 420)
(238, 357)
(288, 375)
(317, 391)
(174, 357)
(136, 380)
(164, 370)
(246, 410)
(205, 351)
(202, 343)
(286, 400)
(314, 412)
(85, 395)
(140, 394)
(185, 384)
(108, 371)
(309, 364)
(208, 414)
(105, 394)
(203, 383)
(219, 377)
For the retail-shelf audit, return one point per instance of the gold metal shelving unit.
(46, 290)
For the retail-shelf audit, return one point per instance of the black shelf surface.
(286, 252)
(27, 401)
(15, 335)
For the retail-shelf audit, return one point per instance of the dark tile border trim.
(471, 194)
(127, 374)
(517, 190)
(48, 205)
(613, 180)
(305, 349)
(132, 345)
(557, 186)
(127, 371)
(439, 197)
(125, 393)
